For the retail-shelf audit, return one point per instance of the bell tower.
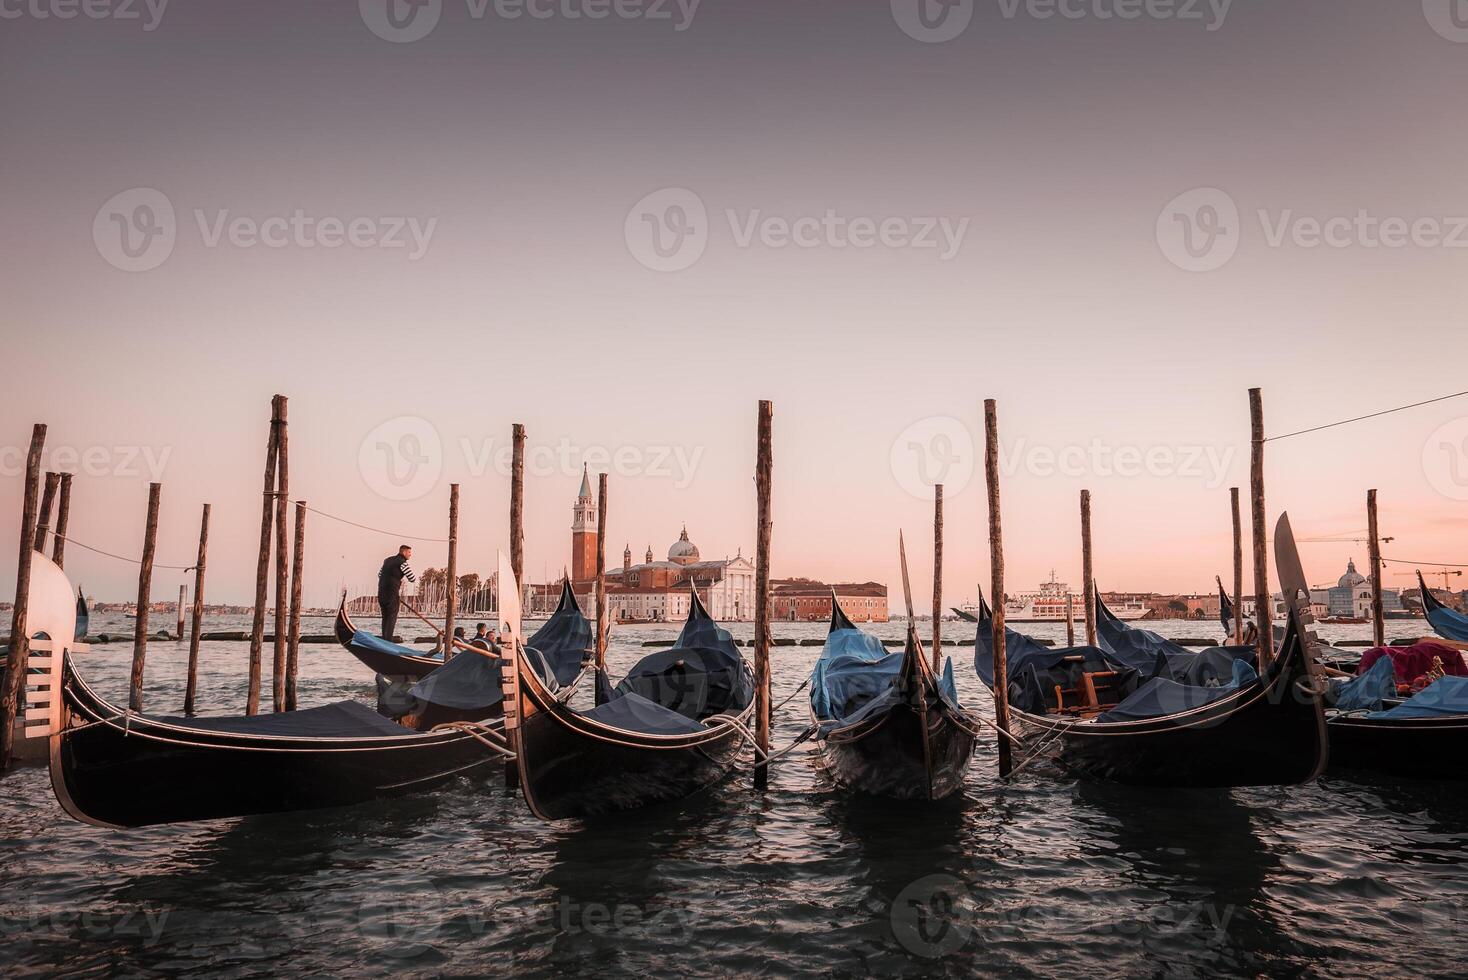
(583, 532)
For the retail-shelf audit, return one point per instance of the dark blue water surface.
(1041, 876)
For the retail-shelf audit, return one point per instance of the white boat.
(1048, 605)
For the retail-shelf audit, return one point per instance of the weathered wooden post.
(1088, 572)
(262, 565)
(601, 572)
(937, 576)
(13, 699)
(1070, 619)
(517, 544)
(282, 553)
(996, 586)
(1256, 509)
(1373, 547)
(145, 589)
(763, 472)
(63, 516)
(183, 597)
(191, 686)
(43, 517)
(298, 567)
(517, 504)
(1238, 568)
(451, 574)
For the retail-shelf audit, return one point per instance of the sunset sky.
(447, 235)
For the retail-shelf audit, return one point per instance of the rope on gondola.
(1362, 418)
(1039, 749)
(479, 732)
(803, 686)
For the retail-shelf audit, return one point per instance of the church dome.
(1352, 578)
(683, 551)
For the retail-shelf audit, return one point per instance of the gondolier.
(390, 585)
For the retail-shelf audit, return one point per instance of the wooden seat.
(1096, 691)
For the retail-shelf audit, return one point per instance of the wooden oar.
(453, 642)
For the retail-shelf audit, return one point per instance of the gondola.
(382, 656)
(113, 767)
(1446, 622)
(674, 726)
(1424, 736)
(888, 725)
(1116, 720)
(470, 687)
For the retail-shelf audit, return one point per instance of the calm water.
(1044, 876)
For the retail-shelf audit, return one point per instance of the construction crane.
(1446, 573)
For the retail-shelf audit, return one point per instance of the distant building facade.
(805, 600)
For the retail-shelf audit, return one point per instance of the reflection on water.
(1042, 876)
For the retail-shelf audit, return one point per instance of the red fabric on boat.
(1410, 663)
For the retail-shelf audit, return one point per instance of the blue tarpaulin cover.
(470, 680)
(1365, 692)
(565, 641)
(344, 719)
(1162, 696)
(370, 641)
(1444, 697)
(634, 713)
(702, 676)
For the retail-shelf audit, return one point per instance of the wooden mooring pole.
(13, 698)
(451, 574)
(282, 554)
(601, 572)
(298, 568)
(763, 473)
(183, 597)
(996, 586)
(43, 517)
(1070, 619)
(1373, 548)
(1238, 568)
(517, 544)
(1256, 511)
(517, 503)
(145, 589)
(262, 566)
(191, 685)
(63, 517)
(937, 576)
(1088, 570)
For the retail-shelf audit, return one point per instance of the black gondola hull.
(892, 756)
(377, 661)
(1413, 748)
(135, 772)
(1270, 733)
(570, 767)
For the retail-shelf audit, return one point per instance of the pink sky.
(527, 144)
